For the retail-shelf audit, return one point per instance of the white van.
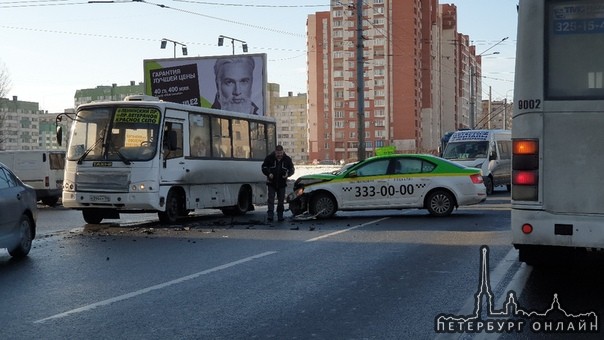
(488, 150)
(41, 169)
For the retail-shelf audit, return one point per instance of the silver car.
(18, 214)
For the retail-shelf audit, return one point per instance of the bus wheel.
(50, 201)
(92, 216)
(323, 205)
(440, 203)
(173, 208)
(244, 200)
(488, 182)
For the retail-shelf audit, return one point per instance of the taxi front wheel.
(440, 203)
(323, 205)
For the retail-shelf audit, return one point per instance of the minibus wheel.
(173, 208)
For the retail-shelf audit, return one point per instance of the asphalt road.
(361, 275)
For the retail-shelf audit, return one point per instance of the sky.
(51, 48)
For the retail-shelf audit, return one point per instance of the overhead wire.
(248, 5)
(126, 37)
(222, 19)
(37, 3)
(40, 3)
(30, 3)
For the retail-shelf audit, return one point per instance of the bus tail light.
(526, 147)
(46, 182)
(525, 169)
(523, 177)
(527, 228)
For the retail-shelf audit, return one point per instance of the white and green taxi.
(395, 181)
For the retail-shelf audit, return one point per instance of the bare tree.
(4, 80)
(4, 88)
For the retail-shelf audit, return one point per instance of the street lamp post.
(505, 108)
(164, 42)
(360, 82)
(472, 76)
(221, 43)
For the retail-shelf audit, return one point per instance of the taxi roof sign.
(385, 150)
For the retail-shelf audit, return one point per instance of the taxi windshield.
(344, 168)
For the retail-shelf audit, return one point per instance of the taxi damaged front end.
(299, 198)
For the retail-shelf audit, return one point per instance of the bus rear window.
(575, 32)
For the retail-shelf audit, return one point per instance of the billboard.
(233, 82)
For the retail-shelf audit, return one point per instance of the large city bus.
(147, 155)
(557, 130)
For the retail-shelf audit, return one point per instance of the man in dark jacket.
(277, 167)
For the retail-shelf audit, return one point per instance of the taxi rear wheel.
(323, 205)
(488, 182)
(440, 203)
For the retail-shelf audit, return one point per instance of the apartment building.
(290, 113)
(107, 93)
(417, 75)
(18, 124)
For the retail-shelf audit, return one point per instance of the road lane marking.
(345, 230)
(496, 276)
(155, 287)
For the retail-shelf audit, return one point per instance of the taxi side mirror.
(353, 173)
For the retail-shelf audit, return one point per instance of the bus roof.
(153, 101)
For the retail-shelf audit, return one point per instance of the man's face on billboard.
(235, 84)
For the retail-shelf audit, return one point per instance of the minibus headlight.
(139, 187)
(68, 186)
